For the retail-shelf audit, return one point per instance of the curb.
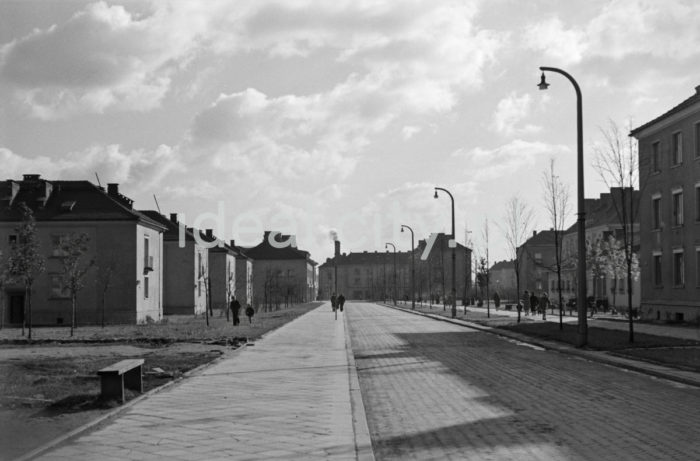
(363, 441)
(115, 412)
(688, 378)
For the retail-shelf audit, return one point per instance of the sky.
(314, 117)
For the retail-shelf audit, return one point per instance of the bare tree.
(72, 250)
(556, 199)
(26, 262)
(616, 161)
(516, 228)
(487, 273)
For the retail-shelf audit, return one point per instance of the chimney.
(337, 248)
(210, 233)
(113, 188)
(173, 217)
(31, 177)
(534, 233)
(232, 243)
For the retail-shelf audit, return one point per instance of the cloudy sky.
(311, 116)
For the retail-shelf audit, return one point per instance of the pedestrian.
(520, 309)
(235, 309)
(341, 302)
(544, 304)
(496, 300)
(333, 301)
(526, 302)
(249, 311)
(534, 303)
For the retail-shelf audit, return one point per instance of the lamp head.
(543, 85)
(435, 196)
(401, 228)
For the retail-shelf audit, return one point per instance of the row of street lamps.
(581, 224)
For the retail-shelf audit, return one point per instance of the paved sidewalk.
(286, 397)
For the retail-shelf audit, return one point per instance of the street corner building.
(125, 245)
(669, 174)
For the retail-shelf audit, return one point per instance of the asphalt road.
(433, 390)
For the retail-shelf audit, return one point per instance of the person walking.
(544, 304)
(334, 301)
(341, 302)
(249, 311)
(534, 304)
(526, 302)
(235, 309)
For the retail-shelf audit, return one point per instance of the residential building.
(383, 275)
(244, 275)
(537, 262)
(184, 261)
(124, 243)
(221, 272)
(669, 171)
(604, 281)
(282, 273)
(502, 279)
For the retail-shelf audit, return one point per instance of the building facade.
(502, 279)
(669, 171)
(123, 243)
(537, 262)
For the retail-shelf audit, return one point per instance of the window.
(658, 275)
(58, 289)
(697, 140)
(678, 268)
(57, 240)
(145, 286)
(697, 202)
(146, 252)
(678, 207)
(12, 239)
(697, 266)
(677, 146)
(655, 163)
(656, 212)
(538, 258)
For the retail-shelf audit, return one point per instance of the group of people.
(235, 306)
(532, 304)
(338, 302)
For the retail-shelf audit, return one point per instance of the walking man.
(235, 310)
(341, 301)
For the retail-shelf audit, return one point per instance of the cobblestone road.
(433, 390)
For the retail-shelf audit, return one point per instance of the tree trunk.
(72, 319)
(104, 296)
(28, 298)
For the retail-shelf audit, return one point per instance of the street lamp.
(386, 246)
(413, 268)
(582, 337)
(453, 244)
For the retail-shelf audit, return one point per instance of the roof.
(541, 238)
(376, 257)
(501, 265)
(172, 227)
(685, 104)
(265, 251)
(66, 201)
(602, 211)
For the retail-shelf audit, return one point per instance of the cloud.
(140, 169)
(621, 29)
(408, 131)
(102, 57)
(506, 160)
(509, 112)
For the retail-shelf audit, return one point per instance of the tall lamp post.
(454, 249)
(413, 267)
(582, 337)
(394, 247)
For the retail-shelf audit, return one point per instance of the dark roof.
(500, 265)
(172, 227)
(602, 211)
(265, 251)
(687, 103)
(66, 201)
(541, 238)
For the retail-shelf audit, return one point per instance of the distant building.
(122, 238)
(502, 279)
(281, 273)
(602, 221)
(537, 263)
(221, 272)
(371, 275)
(183, 265)
(669, 171)
(244, 275)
